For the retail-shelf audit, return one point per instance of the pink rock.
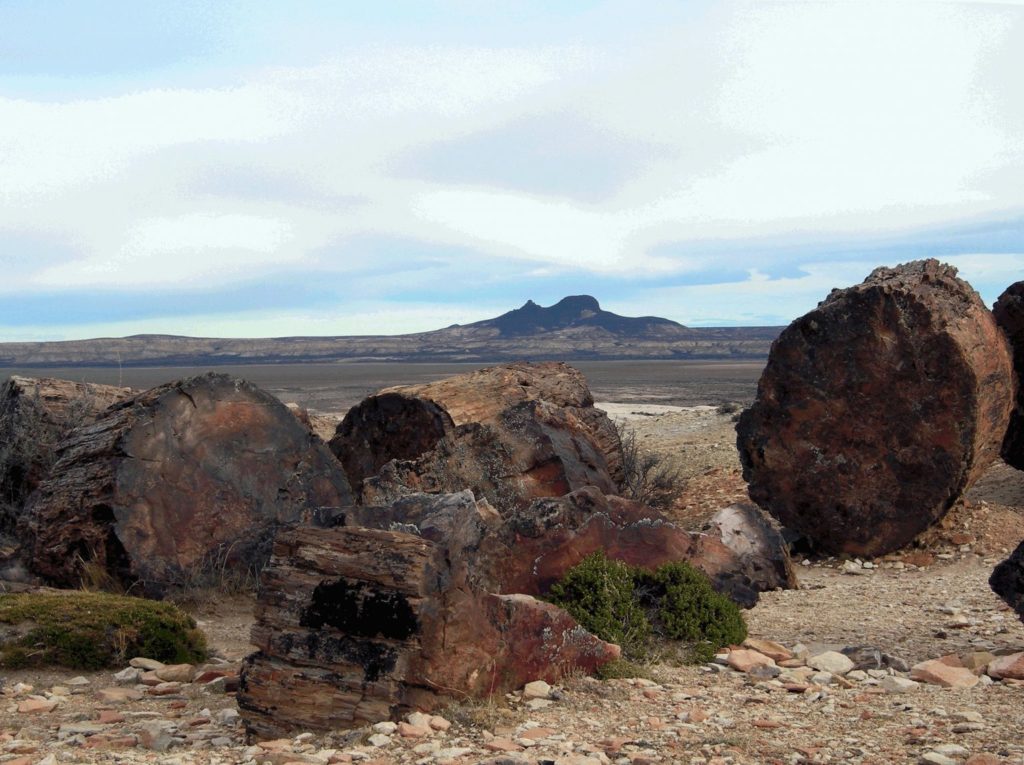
(1007, 667)
(745, 659)
(937, 672)
(36, 706)
(407, 730)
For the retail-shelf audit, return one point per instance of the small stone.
(831, 661)
(953, 750)
(156, 736)
(128, 676)
(439, 723)
(983, 758)
(379, 740)
(968, 727)
(407, 730)
(538, 703)
(77, 681)
(937, 672)
(745, 659)
(418, 719)
(118, 695)
(387, 727)
(502, 745)
(1007, 667)
(967, 715)
(896, 684)
(146, 664)
(228, 716)
(109, 717)
(771, 649)
(175, 673)
(538, 689)
(935, 758)
(35, 706)
(164, 689)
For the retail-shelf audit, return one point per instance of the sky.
(242, 168)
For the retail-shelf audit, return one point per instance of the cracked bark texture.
(190, 475)
(512, 433)
(357, 625)
(878, 410)
(36, 414)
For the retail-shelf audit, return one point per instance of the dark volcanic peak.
(575, 311)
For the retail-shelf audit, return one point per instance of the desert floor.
(929, 600)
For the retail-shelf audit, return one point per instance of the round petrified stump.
(187, 479)
(878, 409)
(1009, 313)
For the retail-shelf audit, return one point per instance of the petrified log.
(760, 551)
(185, 475)
(36, 414)
(1007, 580)
(356, 625)
(1009, 315)
(878, 409)
(512, 433)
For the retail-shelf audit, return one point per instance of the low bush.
(647, 477)
(636, 608)
(92, 630)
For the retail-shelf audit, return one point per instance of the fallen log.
(878, 409)
(512, 433)
(190, 475)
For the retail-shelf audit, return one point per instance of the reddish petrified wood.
(357, 625)
(1009, 315)
(36, 414)
(189, 474)
(878, 409)
(511, 433)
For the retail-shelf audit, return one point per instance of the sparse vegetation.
(92, 630)
(637, 609)
(647, 477)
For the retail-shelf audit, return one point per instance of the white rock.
(538, 689)
(386, 727)
(895, 684)
(935, 758)
(831, 661)
(379, 740)
(418, 719)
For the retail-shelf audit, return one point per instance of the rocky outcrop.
(511, 433)
(1007, 580)
(431, 599)
(878, 409)
(36, 414)
(190, 474)
(357, 625)
(1009, 315)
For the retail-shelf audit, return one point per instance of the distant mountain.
(576, 311)
(574, 328)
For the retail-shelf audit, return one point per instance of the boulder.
(358, 625)
(1009, 315)
(512, 433)
(36, 414)
(190, 474)
(1007, 580)
(878, 409)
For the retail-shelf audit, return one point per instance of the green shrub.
(92, 630)
(634, 607)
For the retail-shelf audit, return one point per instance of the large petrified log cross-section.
(189, 474)
(878, 409)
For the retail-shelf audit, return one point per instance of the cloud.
(539, 148)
